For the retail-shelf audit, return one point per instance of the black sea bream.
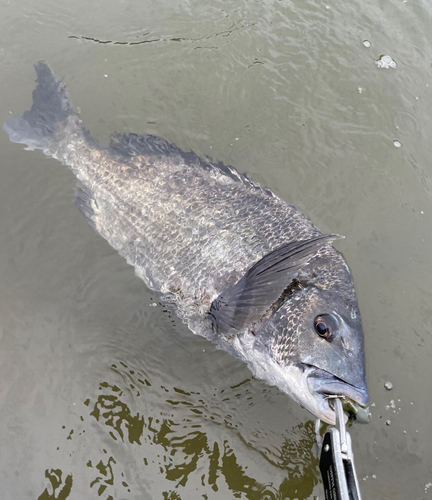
(239, 265)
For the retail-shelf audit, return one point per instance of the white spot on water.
(397, 144)
(385, 62)
(421, 211)
(360, 90)
(391, 405)
(366, 43)
(427, 486)
(153, 305)
(374, 476)
(106, 76)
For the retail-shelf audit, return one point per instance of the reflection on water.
(185, 450)
(105, 477)
(59, 489)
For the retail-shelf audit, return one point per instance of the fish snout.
(356, 398)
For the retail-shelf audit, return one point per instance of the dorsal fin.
(263, 284)
(134, 144)
(151, 145)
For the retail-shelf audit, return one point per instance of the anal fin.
(86, 203)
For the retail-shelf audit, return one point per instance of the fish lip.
(339, 388)
(323, 384)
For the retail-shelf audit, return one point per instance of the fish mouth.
(323, 385)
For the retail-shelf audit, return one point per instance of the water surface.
(103, 394)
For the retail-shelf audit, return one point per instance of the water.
(104, 395)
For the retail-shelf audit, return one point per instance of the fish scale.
(242, 222)
(238, 264)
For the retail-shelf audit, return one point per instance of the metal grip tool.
(337, 460)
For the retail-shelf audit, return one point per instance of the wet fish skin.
(192, 229)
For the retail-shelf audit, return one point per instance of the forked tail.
(48, 114)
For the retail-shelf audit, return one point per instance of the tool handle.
(337, 468)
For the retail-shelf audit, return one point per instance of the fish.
(237, 264)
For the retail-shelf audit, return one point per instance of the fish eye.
(326, 326)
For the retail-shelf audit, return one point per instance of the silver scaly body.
(192, 229)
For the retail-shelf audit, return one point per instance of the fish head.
(313, 344)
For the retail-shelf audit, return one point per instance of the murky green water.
(102, 393)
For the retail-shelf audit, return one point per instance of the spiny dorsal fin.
(151, 145)
(247, 301)
(148, 145)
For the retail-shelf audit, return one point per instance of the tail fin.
(51, 106)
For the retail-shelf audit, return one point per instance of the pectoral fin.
(247, 301)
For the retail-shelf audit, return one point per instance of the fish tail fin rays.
(50, 109)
